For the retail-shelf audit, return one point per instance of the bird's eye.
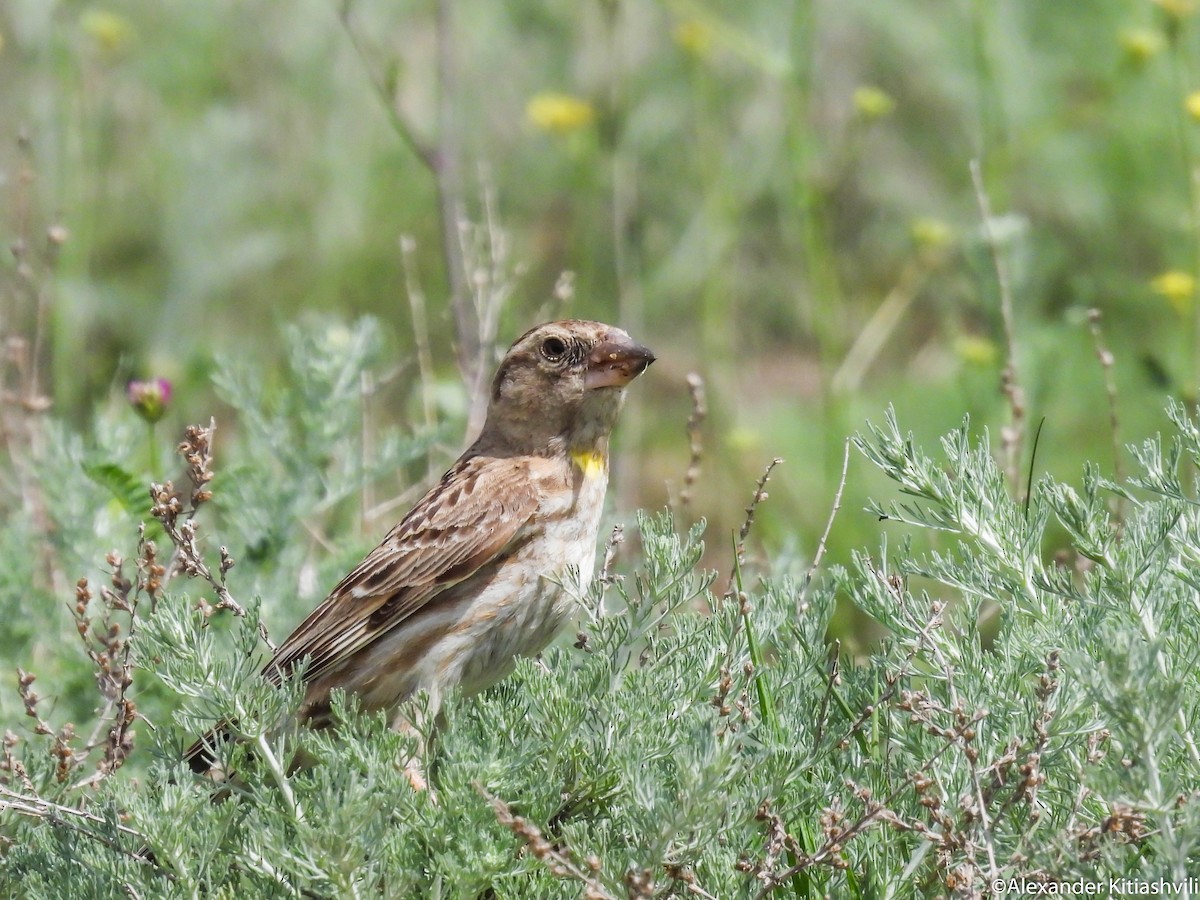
(554, 348)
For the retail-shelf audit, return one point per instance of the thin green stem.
(152, 452)
(766, 702)
(801, 883)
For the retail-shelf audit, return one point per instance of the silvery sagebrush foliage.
(1030, 713)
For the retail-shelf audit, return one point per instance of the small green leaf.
(124, 486)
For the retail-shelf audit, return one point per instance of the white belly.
(472, 634)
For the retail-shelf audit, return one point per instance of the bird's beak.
(616, 362)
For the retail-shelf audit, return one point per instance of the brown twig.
(420, 330)
(560, 298)
(486, 253)
(739, 553)
(386, 90)
(109, 647)
(443, 160)
(30, 698)
(615, 539)
(695, 446)
(1012, 436)
(963, 734)
(802, 599)
(22, 399)
(894, 679)
(111, 653)
(553, 856)
(447, 170)
(837, 835)
(742, 623)
(196, 449)
(69, 817)
(1107, 363)
(603, 581)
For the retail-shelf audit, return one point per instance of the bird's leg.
(418, 720)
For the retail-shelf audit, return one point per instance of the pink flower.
(149, 399)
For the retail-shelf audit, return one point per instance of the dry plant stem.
(615, 539)
(744, 623)
(111, 654)
(386, 91)
(802, 600)
(320, 538)
(403, 500)
(1105, 356)
(444, 162)
(760, 495)
(31, 393)
(68, 817)
(560, 299)
(30, 699)
(959, 736)
(196, 449)
(447, 171)
(923, 639)
(877, 811)
(366, 390)
(1013, 435)
(486, 253)
(1045, 713)
(369, 385)
(695, 446)
(420, 323)
(194, 565)
(554, 858)
(11, 767)
(109, 649)
(879, 328)
(971, 757)
(832, 678)
(23, 402)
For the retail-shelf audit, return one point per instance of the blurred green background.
(775, 195)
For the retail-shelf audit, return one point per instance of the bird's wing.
(479, 508)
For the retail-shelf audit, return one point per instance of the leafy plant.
(1030, 715)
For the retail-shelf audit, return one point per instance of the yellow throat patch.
(590, 462)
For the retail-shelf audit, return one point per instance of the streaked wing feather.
(476, 510)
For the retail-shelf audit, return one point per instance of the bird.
(486, 565)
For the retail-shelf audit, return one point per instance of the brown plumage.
(484, 566)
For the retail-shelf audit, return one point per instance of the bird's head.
(561, 385)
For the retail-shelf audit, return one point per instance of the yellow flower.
(1177, 287)
(930, 234)
(1176, 9)
(976, 351)
(559, 113)
(871, 102)
(694, 36)
(742, 438)
(1192, 104)
(113, 33)
(1141, 44)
